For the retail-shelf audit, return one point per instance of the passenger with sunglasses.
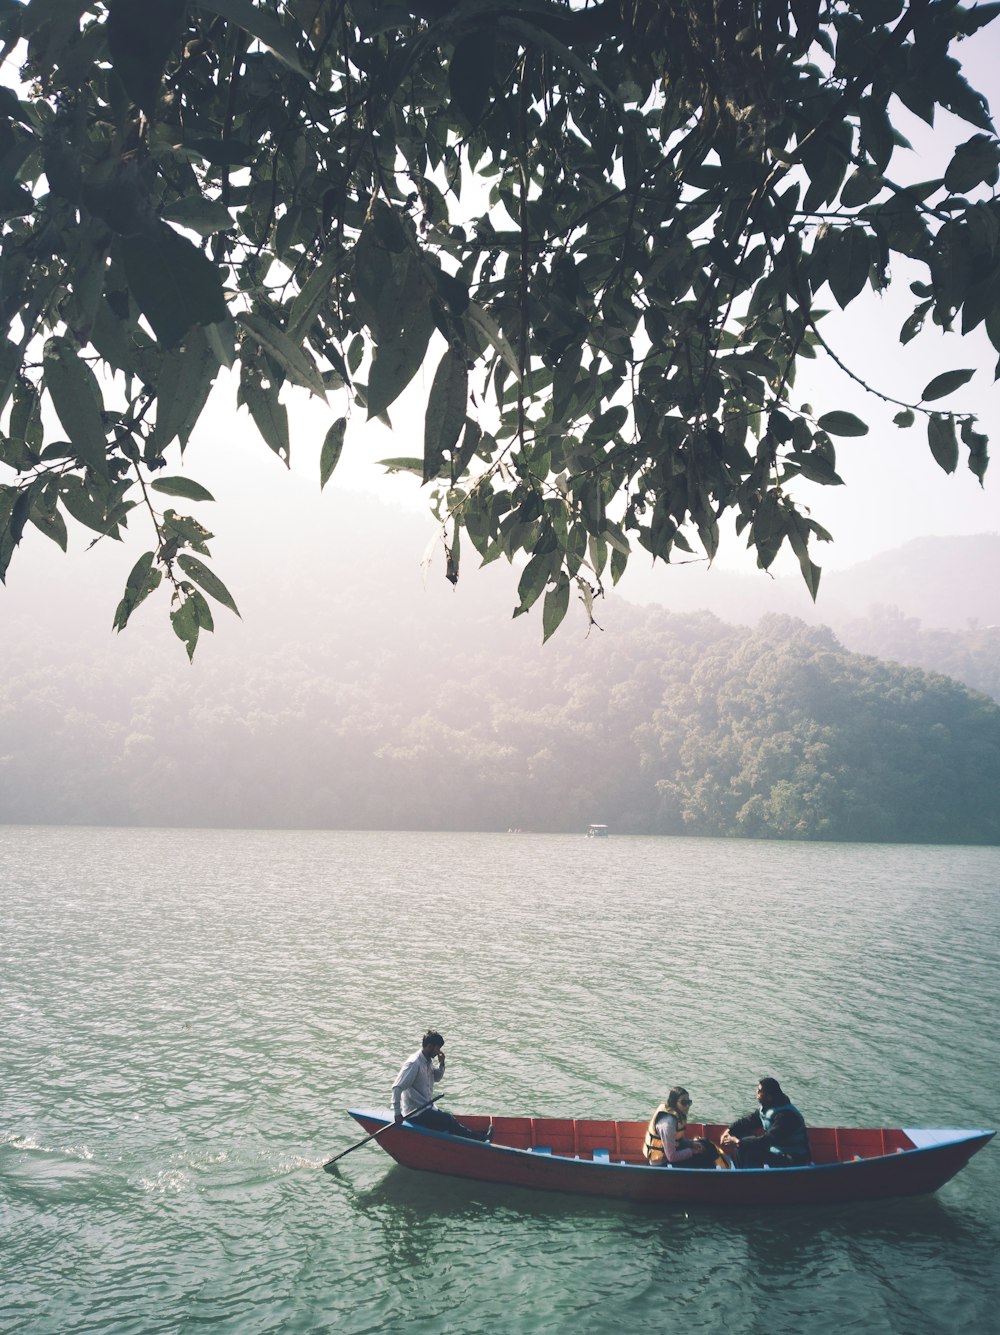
(666, 1144)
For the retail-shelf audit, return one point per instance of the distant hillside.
(933, 603)
(945, 583)
(971, 656)
(350, 696)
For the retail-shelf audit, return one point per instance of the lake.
(186, 1015)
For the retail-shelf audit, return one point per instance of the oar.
(407, 1118)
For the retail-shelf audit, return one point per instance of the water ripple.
(188, 1013)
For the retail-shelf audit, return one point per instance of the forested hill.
(381, 709)
(932, 603)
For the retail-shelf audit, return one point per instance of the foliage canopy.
(613, 227)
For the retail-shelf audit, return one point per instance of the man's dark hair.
(432, 1039)
(772, 1091)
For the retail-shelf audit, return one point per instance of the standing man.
(414, 1088)
(775, 1136)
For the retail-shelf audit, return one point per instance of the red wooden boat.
(594, 1157)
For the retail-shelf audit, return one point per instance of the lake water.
(185, 1016)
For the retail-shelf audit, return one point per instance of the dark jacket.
(787, 1132)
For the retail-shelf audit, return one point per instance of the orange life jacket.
(652, 1146)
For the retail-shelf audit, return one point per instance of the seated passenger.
(666, 1142)
(775, 1135)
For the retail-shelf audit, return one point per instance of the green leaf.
(905, 418)
(483, 322)
(815, 468)
(210, 582)
(393, 367)
(183, 384)
(555, 607)
(861, 187)
(140, 38)
(221, 338)
(311, 298)
(445, 415)
(202, 610)
(618, 564)
(942, 440)
(914, 322)
(470, 74)
(534, 578)
(96, 506)
(198, 214)
(187, 531)
(260, 23)
(951, 90)
(143, 579)
(974, 163)
(333, 447)
(15, 506)
(768, 530)
(537, 37)
(269, 414)
(174, 284)
(607, 425)
(850, 264)
(968, 21)
(877, 136)
(564, 379)
(182, 486)
(978, 452)
(405, 322)
(597, 551)
(798, 537)
(76, 397)
(47, 519)
(187, 623)
(842, 424)
(615, 536)
(10, 365)
(290, 355)
(221, 152)
(403, 465)
(454, 553)
(946, 383)
(473, 442)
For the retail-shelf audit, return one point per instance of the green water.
(186, 1014)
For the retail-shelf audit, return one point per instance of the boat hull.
(909, 1167)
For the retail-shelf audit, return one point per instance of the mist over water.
(187, 1014)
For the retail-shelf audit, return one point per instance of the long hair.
(678, 1092)
(772, 1091)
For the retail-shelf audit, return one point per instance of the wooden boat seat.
(609, 1141)
(558, 1133)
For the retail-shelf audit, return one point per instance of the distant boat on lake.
(597, 832)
